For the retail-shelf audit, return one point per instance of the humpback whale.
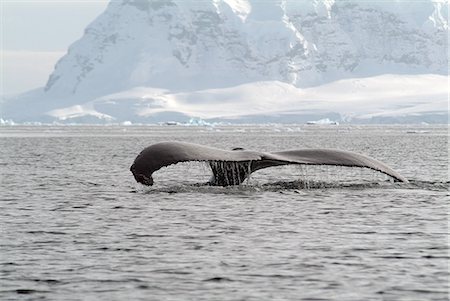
(232, 167)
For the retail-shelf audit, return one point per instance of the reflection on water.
(76, 226)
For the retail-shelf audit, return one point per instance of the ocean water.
(76, 226)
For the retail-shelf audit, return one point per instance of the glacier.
(250, 61)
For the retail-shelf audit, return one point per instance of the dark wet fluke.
(233, 167)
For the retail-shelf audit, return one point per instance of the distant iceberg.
(325, 121)
(199, 122)
(6, 122)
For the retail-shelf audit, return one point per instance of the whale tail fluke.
(233, 167)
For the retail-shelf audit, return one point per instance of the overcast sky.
(35, 34)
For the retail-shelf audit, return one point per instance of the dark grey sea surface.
(76, 226)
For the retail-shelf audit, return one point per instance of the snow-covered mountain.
(151, 60)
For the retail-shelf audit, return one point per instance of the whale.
(232, 167)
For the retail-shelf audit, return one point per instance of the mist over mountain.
(156, 60)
